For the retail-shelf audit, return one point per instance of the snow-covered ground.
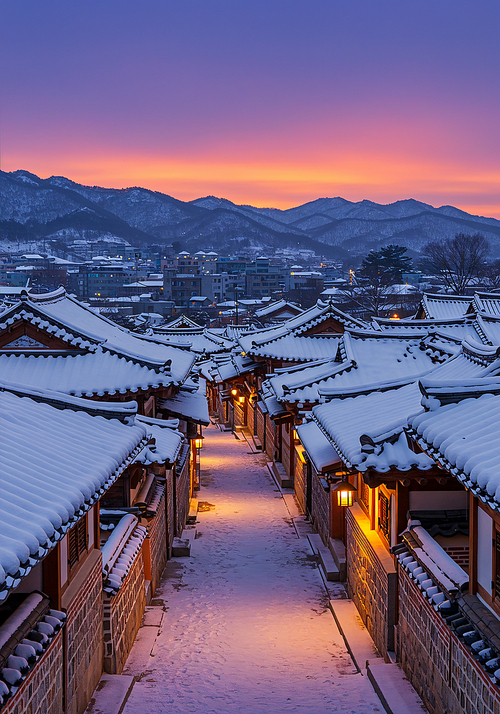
(246, 626)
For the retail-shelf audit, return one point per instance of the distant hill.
(33, 210)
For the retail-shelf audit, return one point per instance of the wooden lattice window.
(77, 542)
(384, 515)
(364, 494)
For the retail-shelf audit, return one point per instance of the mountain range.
(34, 210)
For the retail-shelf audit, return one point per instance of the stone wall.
(439, 666)
(42, 690)
(122, 618)
(157, 535)
(320, 507)
(371, 579)
(83, 604)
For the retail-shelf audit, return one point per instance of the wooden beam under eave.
(374, 478)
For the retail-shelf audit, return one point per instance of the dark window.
(77, 542)
(384, 515)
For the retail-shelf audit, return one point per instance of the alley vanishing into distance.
(243, 624)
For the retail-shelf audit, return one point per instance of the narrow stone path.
(244, 624)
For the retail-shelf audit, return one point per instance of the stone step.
(281, 475)
(393, 689)
(325, 558)
(257, 442)
(181, 547)
(357, 638)
(193, 511)
(111, 694)
(337, 549)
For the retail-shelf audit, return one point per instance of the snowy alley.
(243, 624)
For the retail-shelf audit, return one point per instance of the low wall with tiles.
(439, 666)
(157, 535)
(320, 507)
(42, 690)
(169, 495)
(122, 618)
(371, 579)
(83, 604)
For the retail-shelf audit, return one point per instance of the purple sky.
(264, 102)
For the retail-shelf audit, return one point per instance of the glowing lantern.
(395, 316)
(345, 493)
(234, 392)
(198, 442)
(241, 399)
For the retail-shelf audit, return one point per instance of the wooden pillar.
(402, 506)
(472, 543)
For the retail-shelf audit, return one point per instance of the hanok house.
(59, 455)
(363, 361)
(449, 617)
(394, 481)
(312, 336)
(277, 311)
(54, 341)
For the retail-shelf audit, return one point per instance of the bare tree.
(458, 260)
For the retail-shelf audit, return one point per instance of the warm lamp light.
(241, 399)
(395, 316)
(198, 442)
(345, 493)
(234, 392)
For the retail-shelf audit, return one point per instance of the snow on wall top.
(54, 464)
(319, 449)
(380, 417)
(187, 405)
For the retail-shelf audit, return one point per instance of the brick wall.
(122, 618)
(261, 425)
(270, 438)
(84, 635)
(285, 449)
(300, 483)
(157, 534)
(42, 689)
(459, 553)
(371, 579)
(320, 507)
(183, 486)
(239, 414)
(441, 669)
(169, 495)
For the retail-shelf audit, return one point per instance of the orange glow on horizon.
(278, 183)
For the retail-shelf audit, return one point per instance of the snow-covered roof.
(280, 306)
(92, 373)
(168, 441)
(442, 307)
(200, 340)
(58, 455)
(367, 430)
(187, 405)
(263, 342)
(489, 303)
(81, 327)
(460, 430)
(362, 359)
(320, 451)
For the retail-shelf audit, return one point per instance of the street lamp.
(345, 493)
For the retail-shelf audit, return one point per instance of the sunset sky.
(266, 102)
